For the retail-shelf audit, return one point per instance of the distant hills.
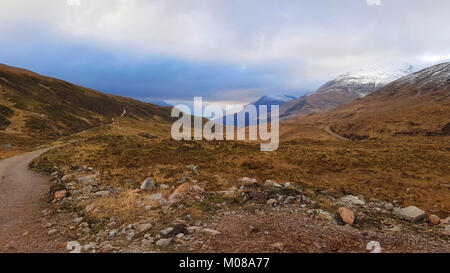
(416, 104)
(344, 89)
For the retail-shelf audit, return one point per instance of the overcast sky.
(223, 50)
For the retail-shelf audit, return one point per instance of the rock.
(193, 229)
(91, 245)
(67, 177)
(141, 228)
(167, 231)
(60, 194)
(52, 231)
(106, 249)
(374, 247)
(89, 208)
(87, 189)
(78, 220)
(164, 186)
(434, 219)
(211, 232)
(163, 242)
(272, 202)
(163, 202)
(148, 184)
(102, 193)
(180, 235)
(155, 197)
(271, 184)
(411, 213)
(247, 180)
(112, 233)
(347, 216)
(197, 189)
(88, 179)
(353, 200)
(25, 233)
(288, 185)
(48, 225)
(195, 169)
(277, 246)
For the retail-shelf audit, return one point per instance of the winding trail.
(329, 131)
(21, 192)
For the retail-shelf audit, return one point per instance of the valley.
(127, 186)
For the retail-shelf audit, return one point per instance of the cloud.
(211, 47)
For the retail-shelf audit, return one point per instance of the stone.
(52, 231)
(193, 229)
(141, 228)
(155, 197)
(347, 216)
(164, 186)
(288, 185)
(271, 184)
(434, 219)
(89, 208)
(67, 177)
(167, 231)
(353, 200)
(163, 202)
(211, 232)
(197, 189)
(180, 235)
(163, 242)
(106, 249)
(148, 184)
(195, 169)
(412, 213)
(277, 246)
(60, 194)
(248, 180)
(102, 193)
(272, 202)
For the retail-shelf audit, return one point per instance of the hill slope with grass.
(415, 105)
(48, 108)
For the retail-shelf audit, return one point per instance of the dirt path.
(328, 130)
(21, 193)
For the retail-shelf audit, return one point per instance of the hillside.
(46, 108)
(342, 90)
(417, 104)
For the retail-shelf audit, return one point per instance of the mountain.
(48, 108)
(417, 104)
(268, 100)
(344, 89)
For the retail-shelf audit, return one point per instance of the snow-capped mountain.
(365, 81)
(344, 89)
(273, 100)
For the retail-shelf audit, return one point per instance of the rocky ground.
(83, 213)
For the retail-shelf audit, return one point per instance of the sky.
(226, 51)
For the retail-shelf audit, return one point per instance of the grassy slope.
(412, 171)
(53, 108)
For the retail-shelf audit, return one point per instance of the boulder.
(60, 194)
(412, 213)
(163, 242)
(141, 228)
(272, 184)
(211, 232)
(434, 219)
(354, 200)
(167, 231)
(148, 184)
(347, 216)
